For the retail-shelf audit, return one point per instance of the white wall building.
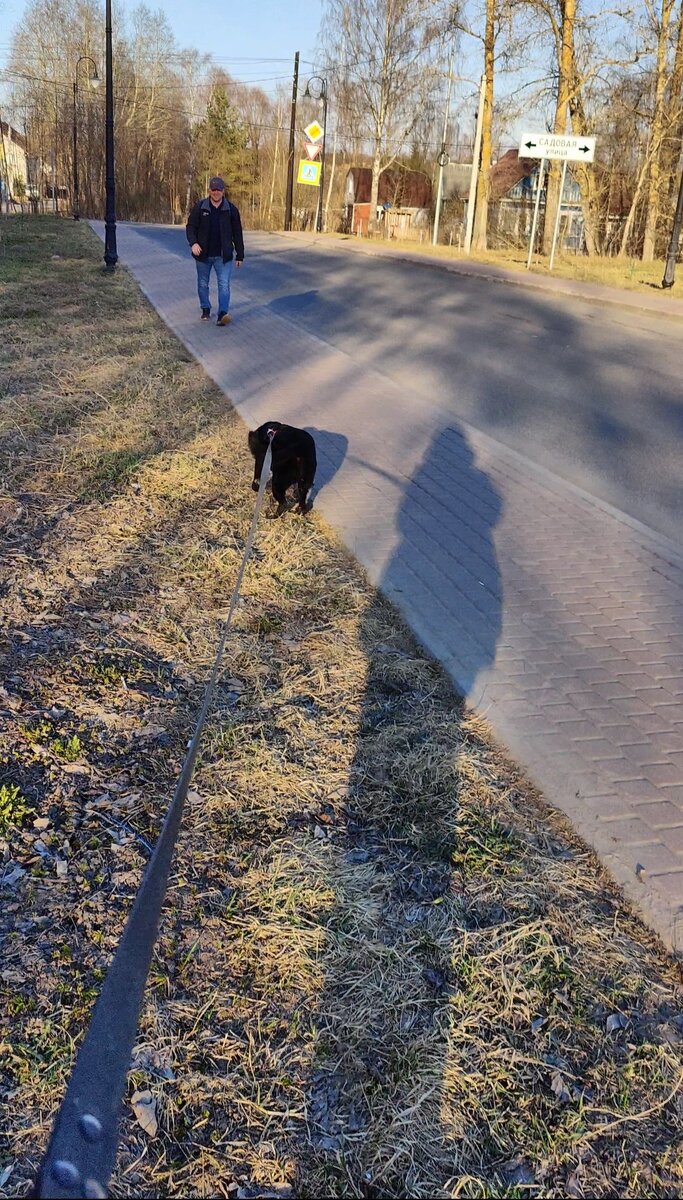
(13, 167)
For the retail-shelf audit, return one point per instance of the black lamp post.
(320, 93)
(110, 254)
(95, 80)
(672, 252)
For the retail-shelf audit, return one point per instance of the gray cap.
(216, 183)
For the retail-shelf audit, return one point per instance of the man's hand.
(239, 262)
(196, 249)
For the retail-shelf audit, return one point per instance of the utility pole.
(76, 214)
(110, 254)
(672, 252)
(443, 157)
(471, 199)
(290, 159)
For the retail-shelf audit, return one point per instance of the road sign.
(314, 131)
(557, 146)
(313, 149)
(309, 172)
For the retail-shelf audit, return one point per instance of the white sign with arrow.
(557, 146)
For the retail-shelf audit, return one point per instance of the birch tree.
(384, 56)
(661, 21)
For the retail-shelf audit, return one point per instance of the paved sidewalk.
(559, 618)
(667, 303)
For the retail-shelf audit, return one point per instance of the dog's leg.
(304, 485)
(259, 459)
(280, 486)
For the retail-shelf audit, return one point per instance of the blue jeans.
(223, 273)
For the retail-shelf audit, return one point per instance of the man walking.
(213, 229)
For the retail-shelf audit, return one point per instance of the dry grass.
(385, 969)
(629, 273)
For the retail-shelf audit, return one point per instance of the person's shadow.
(444, 574)
(382, 1017)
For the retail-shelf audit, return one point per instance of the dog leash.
(82, 1149)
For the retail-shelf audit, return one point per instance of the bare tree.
(660, 20)
(483, 195)
(384, 60)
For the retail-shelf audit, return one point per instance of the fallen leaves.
(144, 1107)
(559, 1088)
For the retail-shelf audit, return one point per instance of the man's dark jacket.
(199, 225)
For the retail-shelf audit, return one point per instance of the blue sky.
(256, 41)
(265, 29)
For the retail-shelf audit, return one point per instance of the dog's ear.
(253, 441)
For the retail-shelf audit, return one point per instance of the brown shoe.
(224, 319)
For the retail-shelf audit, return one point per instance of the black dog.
(294, 461)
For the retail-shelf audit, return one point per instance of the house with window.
(404, 202)
(514, 182)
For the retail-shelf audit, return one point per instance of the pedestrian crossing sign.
(309, 172)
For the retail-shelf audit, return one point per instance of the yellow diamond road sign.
(309, 172)
(314, 131)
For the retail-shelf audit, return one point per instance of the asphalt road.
(590, 391)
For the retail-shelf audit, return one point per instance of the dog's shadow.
(331, 451)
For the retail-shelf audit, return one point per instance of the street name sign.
(557, 146)
(309, 172)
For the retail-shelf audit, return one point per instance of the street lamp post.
(95, 80)
(320, 93)
(110, 254)
(443, 158)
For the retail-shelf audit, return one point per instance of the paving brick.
(627, 740)
(594, 675)
(629, 706)
(674, 793)
(672, 713)
(672, 683)
(559, 711)
(654, 696)
(666, 774)
(653, 724)
(613, 690)
(674, 839)
(630, 832)
(577, 729)
(594, 749)
(661, 814)
(636, 788)
(673, 660)
(635, 680)
(609, 807)
(670, 882)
